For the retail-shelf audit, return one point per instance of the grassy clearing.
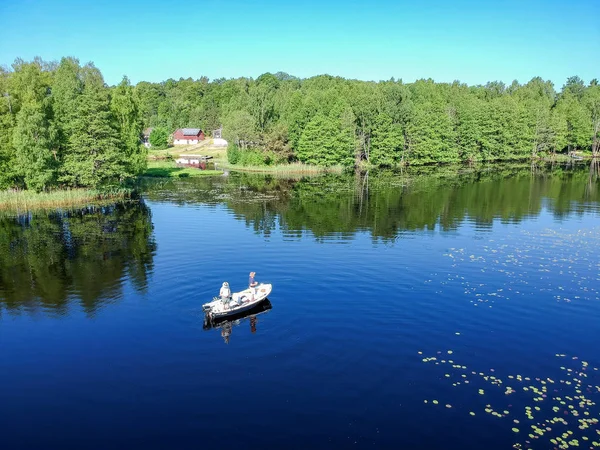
(168, 169)
(23, 201)
(286, 169)
(160, 163)
(204, 148)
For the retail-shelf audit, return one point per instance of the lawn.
(219, 154)
(168, 169)
(285, 169)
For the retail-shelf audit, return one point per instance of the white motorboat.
(238, 302)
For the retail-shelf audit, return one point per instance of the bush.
(252, 158)
(233, 154)
(272, 158)
(159, 138)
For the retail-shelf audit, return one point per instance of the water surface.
(409, 311)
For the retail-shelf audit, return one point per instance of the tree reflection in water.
(387, 203)
(50, 261)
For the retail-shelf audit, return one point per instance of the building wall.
(185, 141)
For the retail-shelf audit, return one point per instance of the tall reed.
(22, 201)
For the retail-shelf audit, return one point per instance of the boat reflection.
(226, 324)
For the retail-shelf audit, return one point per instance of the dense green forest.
(61, 125)
(328, 120)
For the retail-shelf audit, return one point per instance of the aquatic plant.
(562, 412)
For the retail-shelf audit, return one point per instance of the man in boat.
(252, 284)
(225, 292)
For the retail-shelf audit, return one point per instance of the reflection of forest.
(47, 260)
(386, 203)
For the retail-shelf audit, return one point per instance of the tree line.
(329, 120)
(61, 125)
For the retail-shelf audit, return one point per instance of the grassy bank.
(168, 169)
(22, 201)
(219, 154)
(286, 169)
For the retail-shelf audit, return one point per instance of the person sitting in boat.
(225, 292)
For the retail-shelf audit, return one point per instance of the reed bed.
(22, 201)
(287, 169)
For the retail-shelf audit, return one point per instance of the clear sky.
(470, 41)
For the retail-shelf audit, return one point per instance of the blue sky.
(470, 41)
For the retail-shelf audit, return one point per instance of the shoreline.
(24, 201)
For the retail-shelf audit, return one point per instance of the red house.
(186, 136)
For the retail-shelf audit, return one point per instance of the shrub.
(252, 158)
(233, 154)
(159, 138)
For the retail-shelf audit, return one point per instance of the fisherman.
(252, 284)
(225, 292)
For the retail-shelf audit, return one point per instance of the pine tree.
(578, 120)
(387, 142)
(431, 135)
(125, 109)
(95, 156)
(328, 140)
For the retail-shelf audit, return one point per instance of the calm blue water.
(103, 344)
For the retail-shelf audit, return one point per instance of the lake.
(449, 308)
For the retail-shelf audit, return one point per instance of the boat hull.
(240, 302)
(262, 307)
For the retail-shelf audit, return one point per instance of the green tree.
(35, 161)
(578, 121)
(7, 124)
(238, 128)
(67, 87)
(159, 138)
(574, 86)
(33, 135)
(387, 142)
(95, 156)
(262, 105)
(591, 101)
(326, 142)
(125, 109)
(430, 135)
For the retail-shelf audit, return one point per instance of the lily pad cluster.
(564, 264)
(558, 413)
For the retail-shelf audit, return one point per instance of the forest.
(328, 120)
(61, 125)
